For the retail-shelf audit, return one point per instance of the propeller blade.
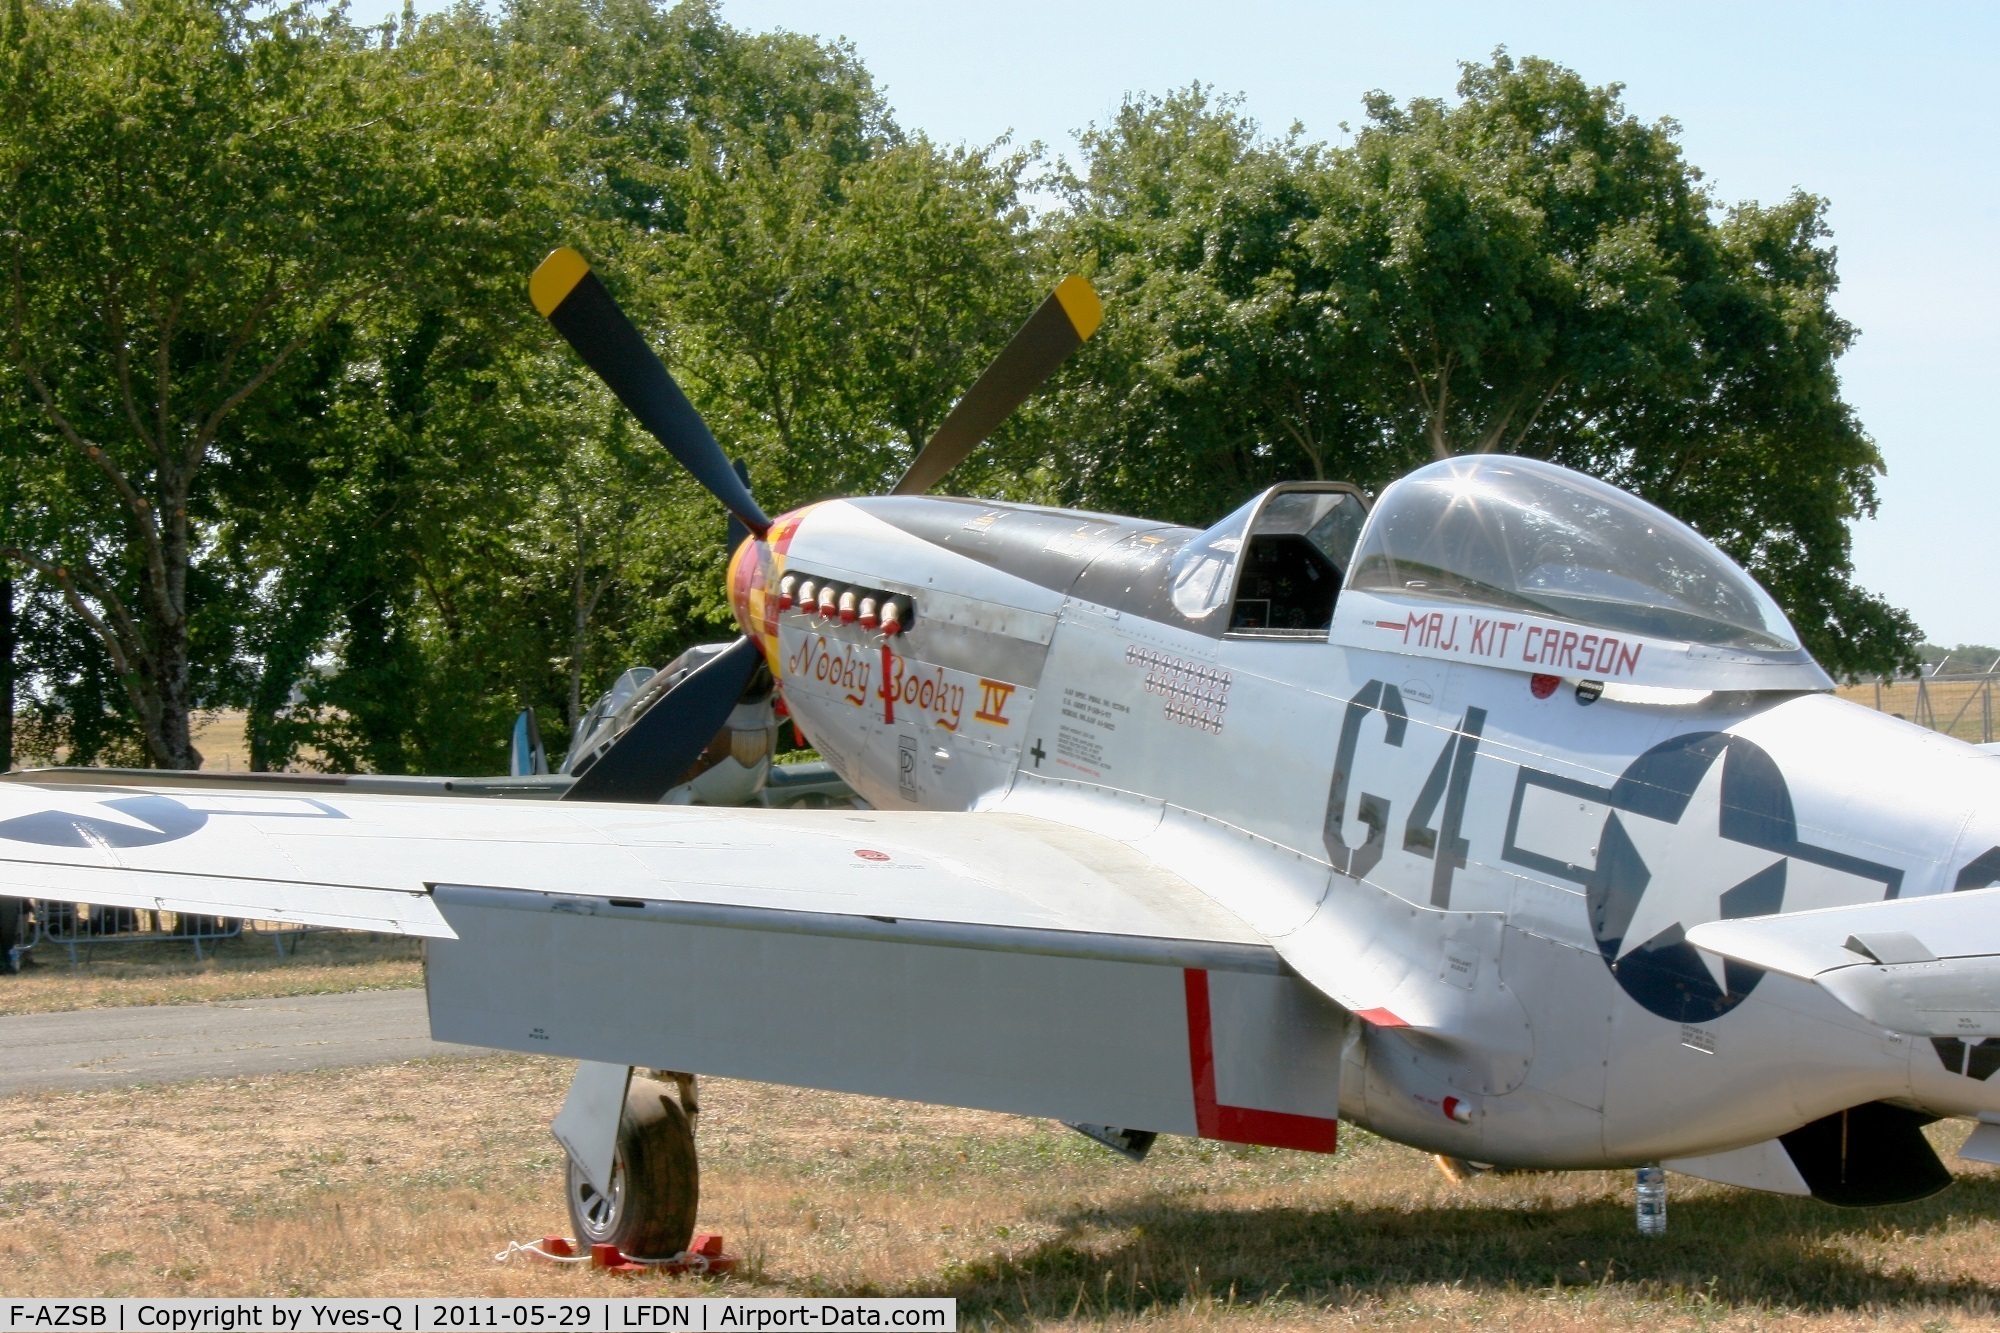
(572, 298)
(651, 756)
(737, 533)
(1058, 327)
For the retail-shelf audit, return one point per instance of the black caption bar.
(434, 1314)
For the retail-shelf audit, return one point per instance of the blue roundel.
(1665, 973)
(159, 819)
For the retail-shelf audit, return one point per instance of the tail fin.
(527, 757)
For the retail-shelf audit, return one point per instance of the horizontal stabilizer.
(1929, 967)
(653, 754)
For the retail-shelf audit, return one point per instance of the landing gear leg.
(690, 1103)
(648, 1209)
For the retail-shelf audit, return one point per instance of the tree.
(1528, 269)
(574, 546)
(829, 314)
(1222, 371)
(7, 674)
(195, 200)
(1534, 270)
(278, 429)
(652, 90)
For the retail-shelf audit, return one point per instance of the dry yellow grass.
(406, 1179)
(1956, 707)
(124, 973)
(220, 738)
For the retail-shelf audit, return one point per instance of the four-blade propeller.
(653, 753)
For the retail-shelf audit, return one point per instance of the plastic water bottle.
(1652, 1209)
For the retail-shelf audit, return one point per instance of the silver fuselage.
(1419, 805)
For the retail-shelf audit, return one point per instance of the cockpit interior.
(1277, 562)
(1298, 549)
(1487, 530)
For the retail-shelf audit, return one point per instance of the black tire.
(655, 1181)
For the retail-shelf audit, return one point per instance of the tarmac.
(101, 1048)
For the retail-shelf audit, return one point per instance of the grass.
(222, 738)
(1955, 706)
(248, 967)
(406, 1179)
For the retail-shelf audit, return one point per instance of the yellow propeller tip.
(554, 278)
(1080, 303)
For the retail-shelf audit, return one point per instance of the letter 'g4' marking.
(1449, 778)
(1373, 811)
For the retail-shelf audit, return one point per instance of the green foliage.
(796, 259)
(204, 212)
(1221, 372)
(1528, 269)
(1536, 271)
(832, 312)
(1966, 657)
(651, 92)
(279, 431)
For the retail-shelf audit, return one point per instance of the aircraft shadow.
(1736, 1249)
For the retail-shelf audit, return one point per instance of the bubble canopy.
(1521, 535)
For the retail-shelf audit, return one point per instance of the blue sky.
(1884, 110)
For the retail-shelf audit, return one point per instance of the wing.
(533, 787)
(386, 862)
(1929, 966)
(994, 960)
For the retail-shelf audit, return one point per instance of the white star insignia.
(1691, 865)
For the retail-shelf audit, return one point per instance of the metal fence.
(1958, 703)
(80, 930)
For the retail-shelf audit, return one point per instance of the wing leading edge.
(1928, 967)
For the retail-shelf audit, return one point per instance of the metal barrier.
(74, 927)
(1957, 703)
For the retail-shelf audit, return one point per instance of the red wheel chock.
(703, 1255)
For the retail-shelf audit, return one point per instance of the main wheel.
(648, 1212)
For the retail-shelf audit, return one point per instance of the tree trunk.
(6, 680)
(168, 709)
(173, 736)
(578, 638)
